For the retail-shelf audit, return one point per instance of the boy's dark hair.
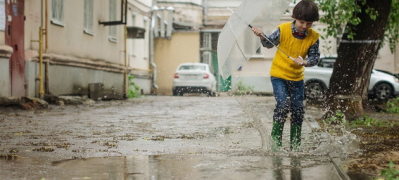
(306, 10)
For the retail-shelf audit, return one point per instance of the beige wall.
(2, 39)
(70, 39)
(182, 48)
(76, 58)
(386, 60)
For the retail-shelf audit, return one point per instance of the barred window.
(207, 57)
(207, 41)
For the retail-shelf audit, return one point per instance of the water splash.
(316, 141)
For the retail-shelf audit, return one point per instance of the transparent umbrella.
(237, 43)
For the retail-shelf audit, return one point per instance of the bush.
(133, 89)
(393, 105)
(242, 89)
(391, 173)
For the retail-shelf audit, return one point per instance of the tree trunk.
(352, 70)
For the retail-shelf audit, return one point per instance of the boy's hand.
(258, 32)
(299, 61)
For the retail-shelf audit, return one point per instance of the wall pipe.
(152, 46)
(41, 92)
(46, 25)
(125, 76)
(47, 65)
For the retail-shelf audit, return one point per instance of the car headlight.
(396, 80)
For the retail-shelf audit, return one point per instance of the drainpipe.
(47, 65)
(41, 62)
(126, 79)
(152, 34)
(46, 25)
(41, 92)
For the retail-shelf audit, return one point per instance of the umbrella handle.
(301, 59)
(249, 25)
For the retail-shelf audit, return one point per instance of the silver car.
(193, 78)
(382, 85)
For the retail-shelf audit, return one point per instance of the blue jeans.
(289, 96)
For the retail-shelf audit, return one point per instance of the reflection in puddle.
(197, 167)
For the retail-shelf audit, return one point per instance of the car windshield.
(192, 67)
(327, 63)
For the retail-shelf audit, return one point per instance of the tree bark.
(352, 70)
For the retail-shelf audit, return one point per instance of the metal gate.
(14, 37)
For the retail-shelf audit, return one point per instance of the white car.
(382, 85)
(193, 78)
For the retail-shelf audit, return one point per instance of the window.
(207, 57)
(112, 17)
(193, 67)
(133, 40)
(57, 12)
(145, 42)
(207, 41)
(88, 16)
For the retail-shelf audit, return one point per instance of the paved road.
(160, 137)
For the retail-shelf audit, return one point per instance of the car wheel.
(314, 91)
(383, 91)
(211, 94)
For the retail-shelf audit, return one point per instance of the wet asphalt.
(164, 137)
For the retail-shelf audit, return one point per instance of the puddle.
(190, 166)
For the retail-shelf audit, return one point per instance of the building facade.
(177, 26)
(138, 49)
(73, 47)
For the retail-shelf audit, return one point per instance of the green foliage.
(339, 13)
(242, 89)
(391, 173)
(133, 89)
(392, 29)
(336, 118)
(367, 122)
(393, 105)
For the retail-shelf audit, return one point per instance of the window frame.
(133, 42)
(145, 42)
(207, 41)
(88, 17)
(57, 12)
(112, 30)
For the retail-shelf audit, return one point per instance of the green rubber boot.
(277, 135)
(295, 137)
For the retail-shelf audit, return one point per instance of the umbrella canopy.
(237, 43)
